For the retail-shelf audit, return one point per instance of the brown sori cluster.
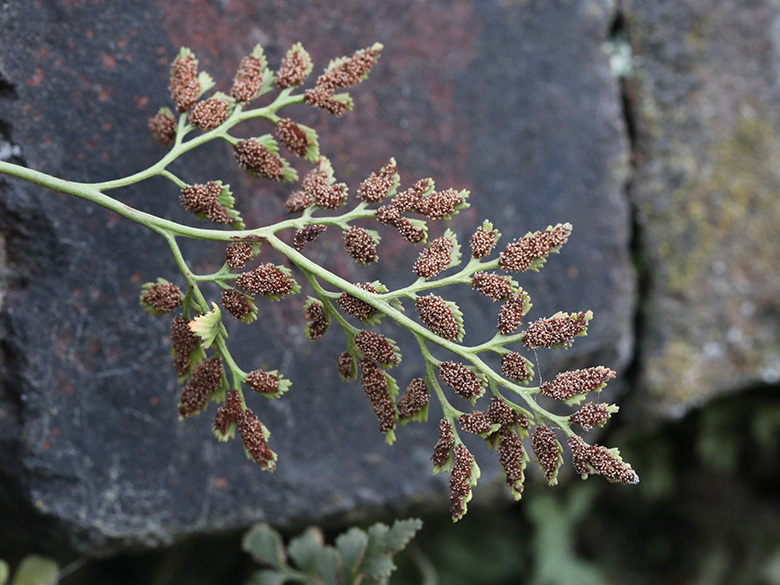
(204, 199)
(316, 188)
(351, 70)
(493, 286)
(235, 303)
(460, 481)
(238, 254)
(520, 254)
(375, 346)
(360, 245)
(410, 199)
(554, 331)
(253, 435)
(184, 342)
(184, 86)
(164, 297)
(499, 412)
(387, 214)
(440, 204)
(569, 384)
(346, 366)
(441, 452)
(475, 422)
(510, 317)
(266, 279)
(511, 456)
(515, 367)
(323, 98)
(298, 201)
(256, 159)
(482, 242)
(209, 114)
(348, 72)
(229, 412)
(590, 459)
(248, 79)
(318, 320)
(292, 136)
(547, 450)
(435, 258)
(591, 415)
(437, 316)
(263, 382)
(205, 380)
(378, 185)
(374, 383)
(163, 128)
(414, 400)
(354, 306)
(410, 232)
(294, 69)
(307, 234)
(466, 383)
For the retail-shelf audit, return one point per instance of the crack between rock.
(14, 505)
(8, 358)
(620, 35)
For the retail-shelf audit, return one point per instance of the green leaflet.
(265, 545)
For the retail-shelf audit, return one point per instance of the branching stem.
(527, 254)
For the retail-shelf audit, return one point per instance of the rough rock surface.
(514, 100)
(705, 95)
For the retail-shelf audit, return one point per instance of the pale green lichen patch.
(735, 191)
(717, 265)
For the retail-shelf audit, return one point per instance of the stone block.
(513, 100)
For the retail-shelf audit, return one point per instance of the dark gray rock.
(705, 95)
(512, 100)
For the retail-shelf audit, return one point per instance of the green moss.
(677, 361)
(733, 427)
(735, 190)
(716, 448)
(555, 522)
(700, 33)
(713, 248)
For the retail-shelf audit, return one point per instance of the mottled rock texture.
(513, 100)
(705, 99)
